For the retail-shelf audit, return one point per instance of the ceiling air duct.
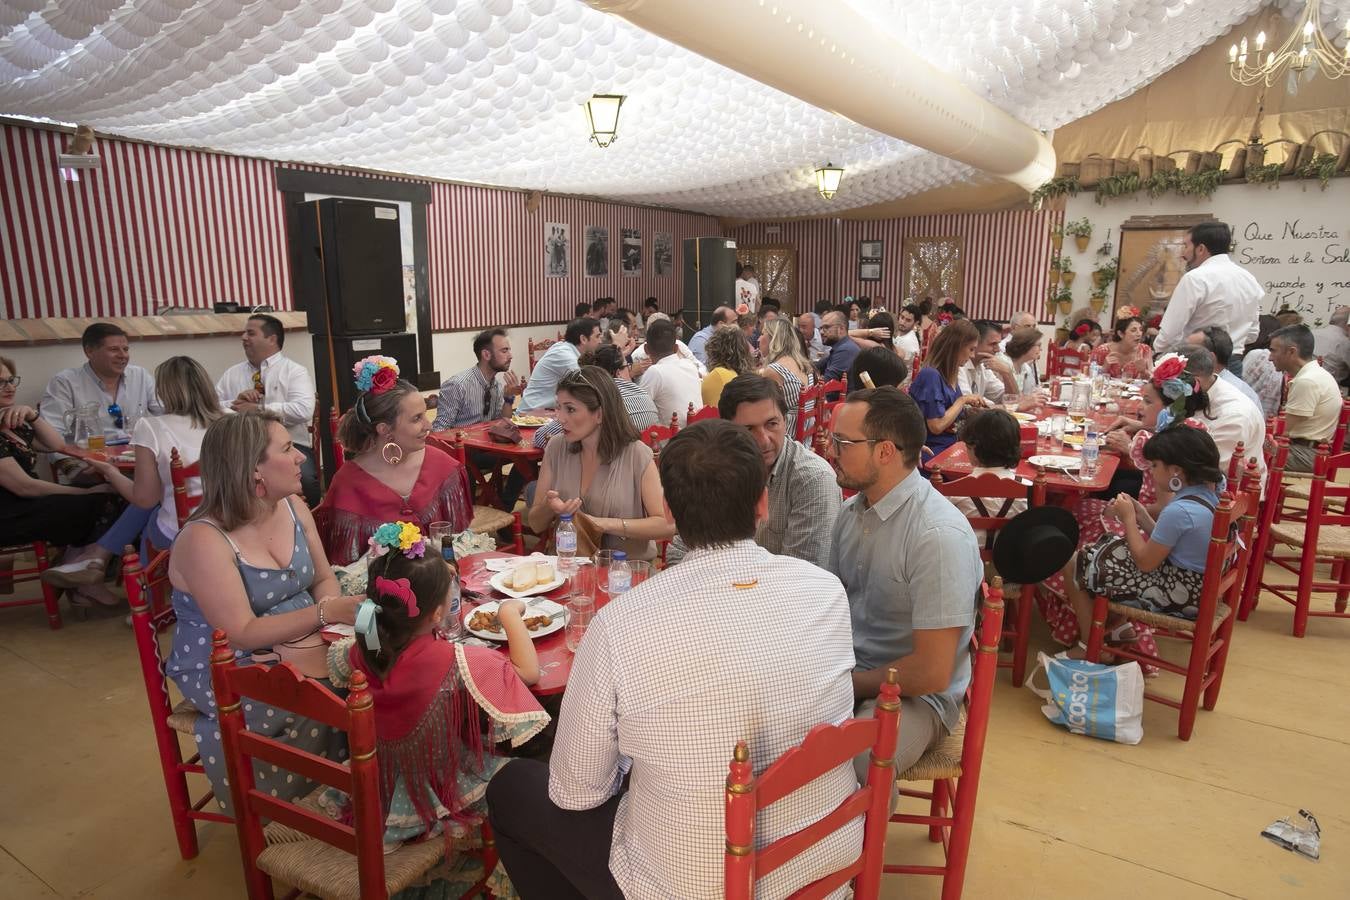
(832, 57)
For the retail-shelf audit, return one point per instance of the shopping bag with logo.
(1090, 698)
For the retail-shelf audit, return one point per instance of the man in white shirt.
(815, 347)
(1312, 409)
(1332, 346)
(1232, 418)
(107, 382)
(583, 335)
(1018, 321)
(672, 381)
(747, 290)
(906, 340)
(642, 360)
(267, 379)
(1216, 341)
(1214, 291)
(630, 804)
(987, 374)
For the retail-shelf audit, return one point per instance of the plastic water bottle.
(452, 626)
(1089, 461)
(565, 538)
(620, 576)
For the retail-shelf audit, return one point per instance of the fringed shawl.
(357, 503)
(427, 721)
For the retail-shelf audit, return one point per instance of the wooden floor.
(83, 811)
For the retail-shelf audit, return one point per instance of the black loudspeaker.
(709, 277)
(347, 267)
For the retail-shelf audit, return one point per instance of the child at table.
(435, 760)
(994, 442)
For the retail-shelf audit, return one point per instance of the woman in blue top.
(250, 563)
(934, 387)
(1164, 571)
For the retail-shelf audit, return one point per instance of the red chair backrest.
(538, 348)
(707, 412)
(1326, 466)
(183, 502)
(283, 686)
(1066, 361)
(991, 486)
(655, 436)
(824, 748)
(1234, 462)
(807, 420)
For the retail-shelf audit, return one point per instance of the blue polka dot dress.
(270, 591)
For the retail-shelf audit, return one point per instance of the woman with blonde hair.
(787, 365)
(728, 356)
(190, 406)
(599, 466)
(249, 562)
(393, 475)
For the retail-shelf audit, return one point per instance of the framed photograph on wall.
(557, 249)
(630, 252)
(597, 251)
(663, 253)
(869, 260)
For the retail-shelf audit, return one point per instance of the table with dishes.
(520, 453)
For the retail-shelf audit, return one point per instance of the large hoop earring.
(392, 453)
(1174, 484)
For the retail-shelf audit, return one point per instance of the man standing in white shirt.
(672, 381)
(267, 379)
(1214, 291)
(108, 382)
(630, 804)
(1312, 409)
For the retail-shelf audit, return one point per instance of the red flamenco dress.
(357, 504)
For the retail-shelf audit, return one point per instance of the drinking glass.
(580, 611)
(1080, 402)
(1011, 400)
(641, 569)
(1057, 426)
(602, 560)
(438, 535)
(581, 586)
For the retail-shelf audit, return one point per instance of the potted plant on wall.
(1057, 237)
(1097, 299)
(1066, 272)
(1064, 299)
(1081, 229)
(1104, 274)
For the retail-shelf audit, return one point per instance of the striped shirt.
(461, 400)
(733, 644)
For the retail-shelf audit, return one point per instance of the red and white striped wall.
(1006, 257)
(158, 226)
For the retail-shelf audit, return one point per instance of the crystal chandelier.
(1305, 46)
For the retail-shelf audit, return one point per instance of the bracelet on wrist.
(323, 622)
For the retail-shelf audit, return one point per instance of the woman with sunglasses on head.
(392, 474)
(599, 466)
(32, 509)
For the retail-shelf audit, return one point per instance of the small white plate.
(1069, 463)
(1024, 417)
(500, 584)
(541, 608)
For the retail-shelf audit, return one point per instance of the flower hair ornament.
(1127, 312)
(1083, 330)
(402, 536)
(400, 588)
(944, 319)
(1175, 384)
(375, 374)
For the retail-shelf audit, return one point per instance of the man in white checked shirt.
(734, 643)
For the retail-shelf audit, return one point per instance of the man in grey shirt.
(910, 563)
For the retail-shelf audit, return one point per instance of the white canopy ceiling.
(490, 91)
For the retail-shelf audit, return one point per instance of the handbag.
(589, 536)
(1090, 698)
(503, 431)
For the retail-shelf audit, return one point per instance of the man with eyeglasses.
(843, 349)
(117, 390)
(911, 565)
(478, 394)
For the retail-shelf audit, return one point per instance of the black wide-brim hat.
(1035, 544)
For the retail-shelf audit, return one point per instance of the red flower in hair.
(383, 380)
(1155, 322)
(1082, 330)
(1168, 369)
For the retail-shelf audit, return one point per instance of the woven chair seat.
(941, 761)
(489, 520)
(183, 718)
(1158, 620)
(1301, 490)
(1332, 540)
(325, 871)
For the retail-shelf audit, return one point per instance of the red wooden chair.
(538, 348)
(1211, 633)
(1065, 361)
(152, 615)
(824, 748)
(707, 412)
(808, 423)
(1324, 537)
(339, 453)
(1298, 485)
(183, 502)
(655, 436)
(340, 856)
(1270, 512)
(954, 764)
(1017, 627)
(13, 574)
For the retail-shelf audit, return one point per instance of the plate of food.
(544, 617)
(1024, 417)
(528, 579)
(1074, 440)
(1066, 463)
(529, 421)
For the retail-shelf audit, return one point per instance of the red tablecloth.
(954, 462)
